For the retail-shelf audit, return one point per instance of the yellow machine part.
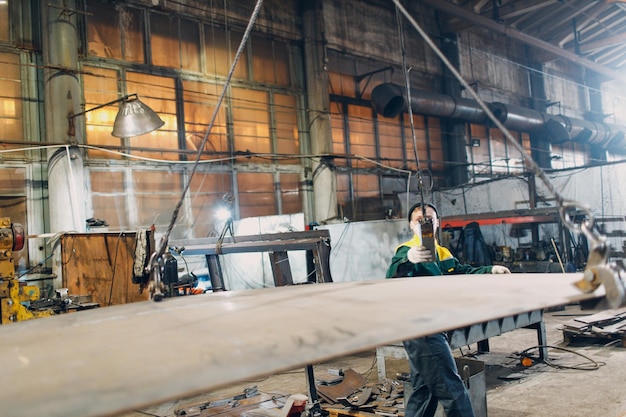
(12, 294)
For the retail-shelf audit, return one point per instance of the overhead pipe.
(561, 128)
(389, 100)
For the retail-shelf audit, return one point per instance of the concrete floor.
(511, 390)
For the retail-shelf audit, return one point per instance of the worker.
(434, 375)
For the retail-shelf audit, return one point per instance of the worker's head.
(416, 213)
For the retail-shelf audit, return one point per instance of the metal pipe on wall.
(66, 181)
(388, 100)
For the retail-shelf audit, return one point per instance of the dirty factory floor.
(583, 377)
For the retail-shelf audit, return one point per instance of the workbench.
(316, 242)
(477, 333)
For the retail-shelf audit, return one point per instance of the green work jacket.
(445, 264)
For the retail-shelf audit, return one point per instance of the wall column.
(541, 147)
(594, 81)
(453, 131)
(318, 108)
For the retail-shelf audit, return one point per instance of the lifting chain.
(598, 271)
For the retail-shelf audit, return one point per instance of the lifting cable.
(156, 256)
(597, 271)
(405, 71)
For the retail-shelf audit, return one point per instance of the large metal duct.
(388, 100)
(560, 128)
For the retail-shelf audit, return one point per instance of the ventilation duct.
(388, 100)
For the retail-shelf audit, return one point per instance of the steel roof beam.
(454, 10)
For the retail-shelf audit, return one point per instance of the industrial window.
(256, 194)
(491, 153)
(341, 84)
(109, 198)
(218, 57)
(290, 197)
(4, 21)
(221, 47)
(200, 102)
(11, 117)
(365, 138)
(569, 155)
(505, 157)
(115, 32)
(100, 86)
(156, 196)
(159, 94)
(480, 154)
(206, 193)
(525, 142)
(251, 127)
(11, 93)
(362, 140)
(175, 42)
(286, 127)
(338, 132)
(428, 140)
(258, 123)
(265, 123)
(270, 61)
(392, 151)
(361, 202)
(152, 197)
(500, 159)
(267, 193)
(375, 146)
(344, 196)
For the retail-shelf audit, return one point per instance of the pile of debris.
(608, 324)
(348, 393)
(341, 394)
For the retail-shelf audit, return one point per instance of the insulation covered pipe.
(389, 100)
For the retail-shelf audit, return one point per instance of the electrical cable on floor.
(591, 366)
(367, 373)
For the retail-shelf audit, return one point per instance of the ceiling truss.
(589, 33)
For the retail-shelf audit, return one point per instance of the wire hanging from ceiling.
(598, 271)
(244, 39)
(562, 203)
(407, 84)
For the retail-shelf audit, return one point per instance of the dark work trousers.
(434, 377)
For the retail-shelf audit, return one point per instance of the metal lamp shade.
(135, 118)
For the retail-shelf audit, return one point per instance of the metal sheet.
(114, 359)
